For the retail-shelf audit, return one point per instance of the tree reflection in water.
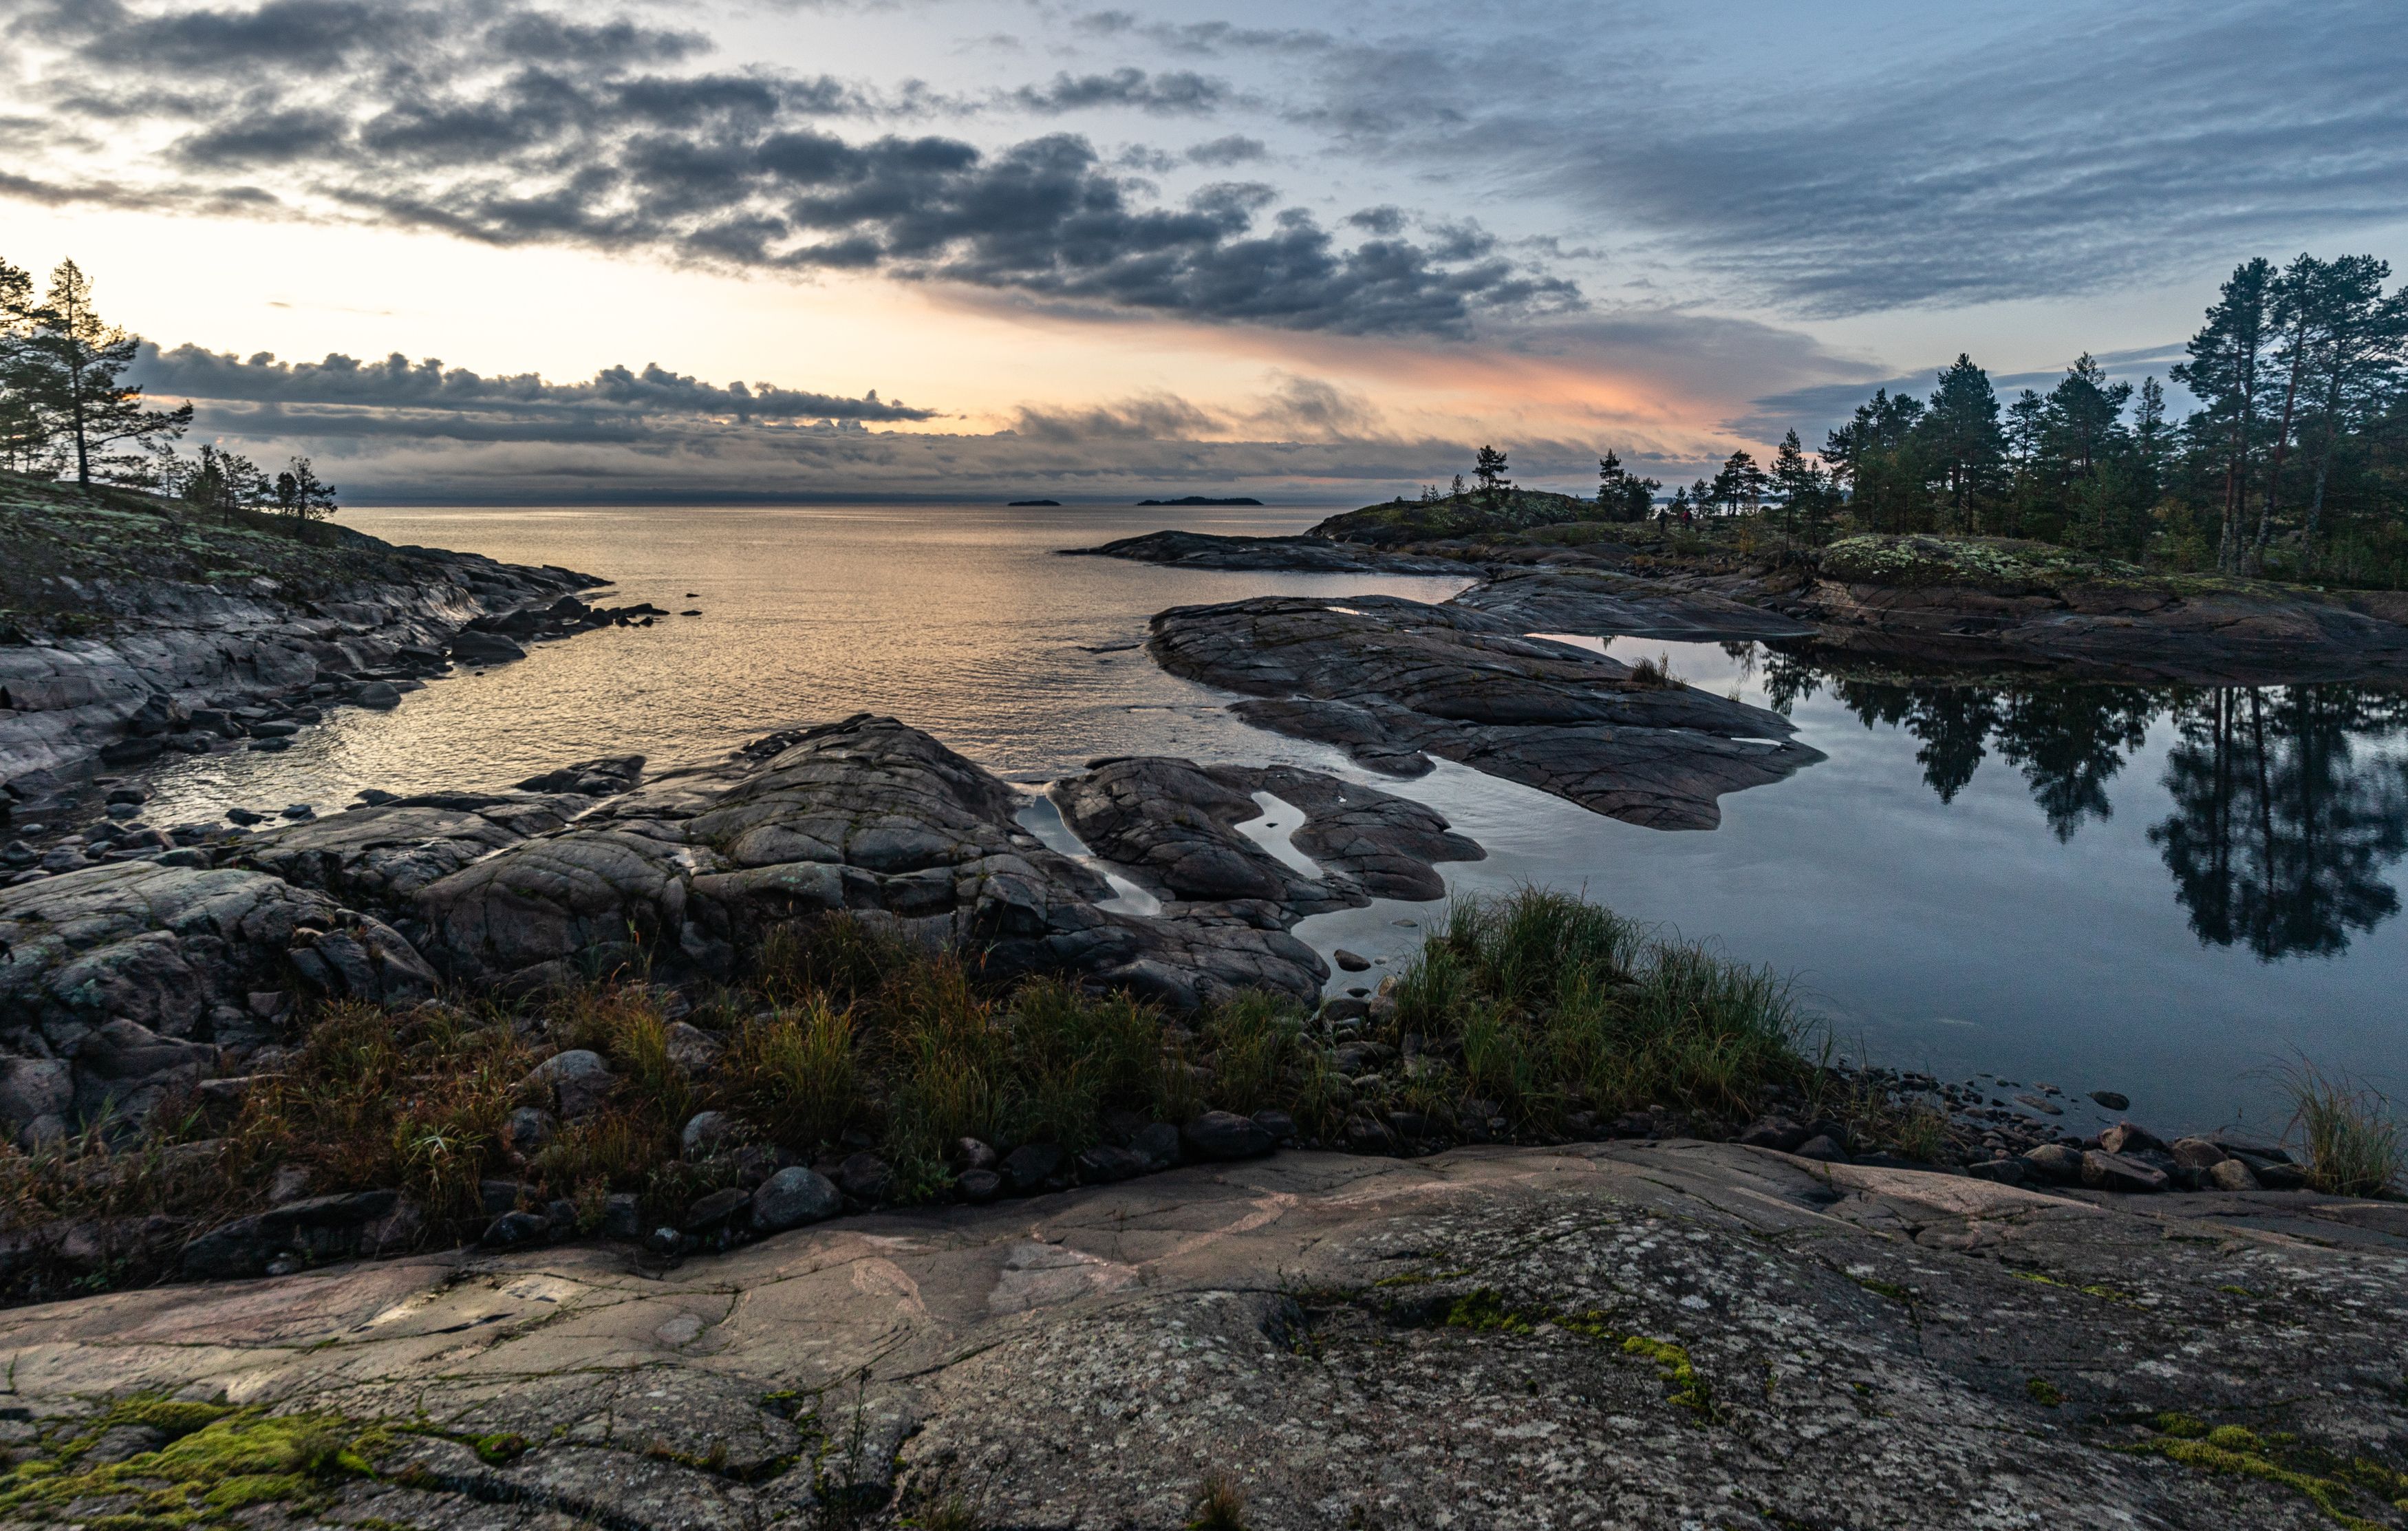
(2287, 811)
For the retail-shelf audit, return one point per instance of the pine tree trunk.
(2281, 448)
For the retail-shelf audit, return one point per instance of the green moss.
(2044, 1392)
(500, 1448)
(2238, 1451)
(1891, 1290)
(1689, 1389)
(1482, 1309)
(220, 1461)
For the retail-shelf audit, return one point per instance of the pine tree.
(2226, 373)
(1488, 472)
(1966, 446)
(77, 368)
(1623, 495)
(298, 493)
(24, 434)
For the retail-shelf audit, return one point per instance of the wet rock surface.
(1656, 1337)
(1393, 681)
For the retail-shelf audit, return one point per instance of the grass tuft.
(2355, 1146)
(1219, 1506)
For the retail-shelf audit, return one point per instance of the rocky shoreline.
(1967, 607)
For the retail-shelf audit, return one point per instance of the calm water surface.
(2167, 892)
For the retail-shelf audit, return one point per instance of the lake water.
(2167, 894)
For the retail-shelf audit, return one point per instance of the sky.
(509, 251)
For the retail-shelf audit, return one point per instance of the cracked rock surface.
(1668, 1334)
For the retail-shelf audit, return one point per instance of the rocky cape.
(1987, 608)
(130, 627)
(155, 972)
(1658, 1335)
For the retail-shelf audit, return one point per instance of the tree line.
(67, 411)
(2294, 464)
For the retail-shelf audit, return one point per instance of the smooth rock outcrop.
(865, 816)
(1683, 1335)
(113, 968)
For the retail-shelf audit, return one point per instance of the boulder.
(867, 1178)
(794, 1196)
(1028, 1168)
(579, 1081)
(2105, 1172)
(471, 647)
(720, 1208)
(707, 1134)
(2193, 1153)
(2056, 1163)
(2124, 1137)
(1103, 1165)
(1225, 1135)
(2229, 1175)
(693, 1050)
(121, 1068)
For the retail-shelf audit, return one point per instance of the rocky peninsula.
(1971, 607)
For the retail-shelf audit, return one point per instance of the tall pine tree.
(75, 365)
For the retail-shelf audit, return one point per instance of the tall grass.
(1552, 1000)
(2355, 1146)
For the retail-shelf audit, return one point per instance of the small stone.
(1351, 961)
(1027, 1168)
(497, 1196)
(714, 1211)
(2004, 1171)
(1159, 1142)
(529, 1128)
(2229, 1175)
(2105, 1172)
(706, 1134)
(969, 1153)
(1280, 1125)
(2056, 1163)
(2198, 1154)
(1823, 1147)
(2112, 1099)
(979, 1186)
(516, 1230)
(1104, 1165)
(290, 1183)
(579, 1078)
(2124, 1137)
(693, 1050)
(867, 1178)
(623, 1216)
(1773, 1132)
(1225, 1135)
(793, 1197)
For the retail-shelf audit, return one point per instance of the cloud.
(495, 122)
(1181, 91)
(1818, 408)
(1237, 148)
(342, 395)
(2075, 151)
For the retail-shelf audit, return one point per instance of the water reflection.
(2289, 803)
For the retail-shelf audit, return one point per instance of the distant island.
(1009, 504)
(1198, 499)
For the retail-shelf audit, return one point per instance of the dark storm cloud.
(496, 121)
(397, 396)
(1817, 408)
